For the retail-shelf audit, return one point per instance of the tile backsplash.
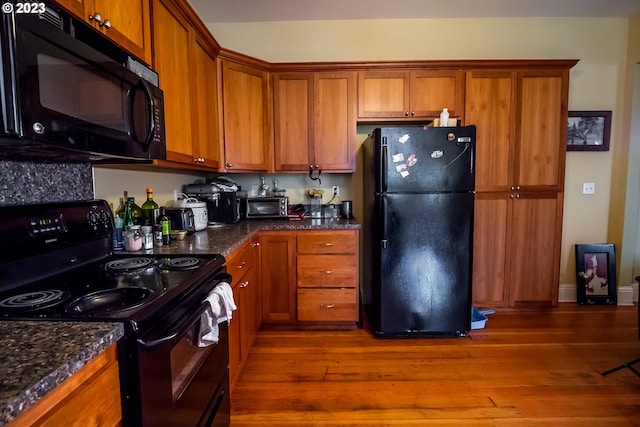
(24, 182)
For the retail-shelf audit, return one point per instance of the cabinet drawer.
(241, 259)
(327, 242)
(337, 305)
(327, 271)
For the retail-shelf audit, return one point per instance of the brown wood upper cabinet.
(126, 23)
(406, 95)
(315, 123)
(246, 117)
(186, 62)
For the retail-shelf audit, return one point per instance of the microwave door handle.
(151, 125)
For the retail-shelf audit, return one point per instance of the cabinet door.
(293, 100)
(542, 130)
(171, 60)
(534, 251)
(334, 121)
(76, 7)
(278, 275)
(246, 117)
(433, 90)
(205, 104)
(491, 249)
(130, 24)
(383, 94)
(490, 106)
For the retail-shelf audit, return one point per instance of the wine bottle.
(149, 209)
(165, 223)
(128, 214)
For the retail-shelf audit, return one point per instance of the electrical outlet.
(336, 190)
(588, 188)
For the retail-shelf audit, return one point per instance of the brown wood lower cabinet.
(89, 398)
(327, 282)
(278, 274)
(243, 264)
(328, 305)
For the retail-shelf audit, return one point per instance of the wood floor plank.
(523, 369)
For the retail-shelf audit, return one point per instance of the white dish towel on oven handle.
(221, 306)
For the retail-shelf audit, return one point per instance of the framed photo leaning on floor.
(596, 274)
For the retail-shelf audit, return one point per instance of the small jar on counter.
(132, 238)
(157, 235)
(147, 237)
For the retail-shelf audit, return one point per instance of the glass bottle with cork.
(165, 224)
(149, 209)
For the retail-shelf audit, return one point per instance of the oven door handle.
(178, 331)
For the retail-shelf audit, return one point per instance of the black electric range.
(57, 263)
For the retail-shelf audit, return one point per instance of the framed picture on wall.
(588, 130)
(596, 274)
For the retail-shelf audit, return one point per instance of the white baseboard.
(627, 295)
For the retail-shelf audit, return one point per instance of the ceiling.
(212, 11)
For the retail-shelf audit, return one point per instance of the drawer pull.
(326, 244)
(327, 271)
(244, 284)
(327, 305)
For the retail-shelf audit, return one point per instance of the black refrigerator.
(418, 230)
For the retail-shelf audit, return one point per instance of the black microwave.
(69, 93)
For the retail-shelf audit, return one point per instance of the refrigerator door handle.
(384, 242)
(383, 165)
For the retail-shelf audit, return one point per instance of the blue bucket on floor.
(479, 317)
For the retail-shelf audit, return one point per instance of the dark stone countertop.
(225, 239)
(36, 356)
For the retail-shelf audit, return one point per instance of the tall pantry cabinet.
(521, 117)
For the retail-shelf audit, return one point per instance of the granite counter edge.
(14, 407)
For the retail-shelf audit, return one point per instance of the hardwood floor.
(522, 369)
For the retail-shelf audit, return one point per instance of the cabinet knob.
(228, 165)
(244, 284)
(106, 24)
(511, 196)
(96, 17)
(406, 114)
(242, 264)
(256, 244)
(413, 113)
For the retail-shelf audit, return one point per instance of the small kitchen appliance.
(69, 93)
(57, 264)
(223, 206)
(181, 219)
(267, 207)
(199, 209)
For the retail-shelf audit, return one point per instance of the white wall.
(597, 81)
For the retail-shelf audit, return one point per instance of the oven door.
(182, 384)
